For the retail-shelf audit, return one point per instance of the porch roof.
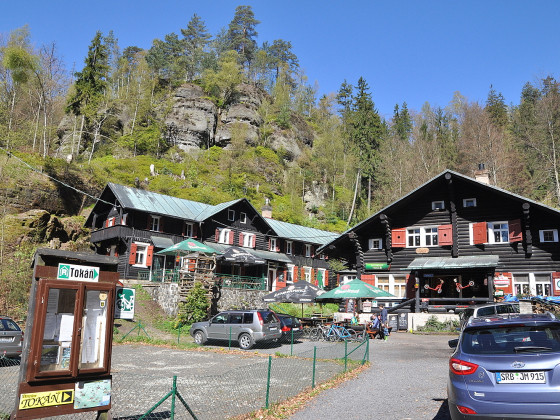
(266, 255)
(448, 263)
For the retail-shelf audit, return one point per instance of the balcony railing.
(228, 281)
(231, 281)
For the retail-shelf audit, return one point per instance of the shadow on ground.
(443, 412)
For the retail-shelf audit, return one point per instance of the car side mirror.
(453, 343)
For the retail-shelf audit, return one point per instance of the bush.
(195, 308)
(434, 325)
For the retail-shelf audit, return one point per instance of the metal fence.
(260, 381)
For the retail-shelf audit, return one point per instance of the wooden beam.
(527, 235)
(453, 214)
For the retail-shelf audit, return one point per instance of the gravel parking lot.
(407, 380)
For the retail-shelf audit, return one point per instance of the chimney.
(481, 174)
(266, 210)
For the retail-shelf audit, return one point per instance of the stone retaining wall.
(167, 296)
(238, 298)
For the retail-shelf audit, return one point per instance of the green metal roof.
(301, 233)
(155, 203)
(151, 202)
(447, 263)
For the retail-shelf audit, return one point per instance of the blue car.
(506, 367)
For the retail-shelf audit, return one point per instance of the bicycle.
(339, 333)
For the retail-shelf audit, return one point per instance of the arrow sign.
(77, 272)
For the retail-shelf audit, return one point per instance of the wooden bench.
(373, 332)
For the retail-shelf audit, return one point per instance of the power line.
(10, 154)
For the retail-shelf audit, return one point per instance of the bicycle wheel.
(315, 334)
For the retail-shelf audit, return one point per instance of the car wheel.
(200, 338)
(246, 341)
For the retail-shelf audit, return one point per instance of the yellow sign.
(46, 399)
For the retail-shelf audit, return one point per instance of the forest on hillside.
(362, 161)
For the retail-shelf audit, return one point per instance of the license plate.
(520, 378)
(272, 328)
(295, 329)
(6, 339)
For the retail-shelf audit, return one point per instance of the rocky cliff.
(195, 122)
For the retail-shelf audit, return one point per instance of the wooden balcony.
(123, 232)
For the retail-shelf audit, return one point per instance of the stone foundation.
(167, 296)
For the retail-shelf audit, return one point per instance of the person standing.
(384, 321)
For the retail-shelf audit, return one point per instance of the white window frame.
(141, 254)
(554, 234)
(545, 284)
(223, 237)
(189, 229)
(272, 244)
(389, 284)
(111, 221)
(307, 273)
(290, 273)
(502, 230)
(231, 215)
(430, 234)
(289, 247)
(518, 284)
(438, 205)
(242, 217)
(156, 220)
(420, 234)
(308, 250)
(249, 239)
(372, 243)
(466, 202)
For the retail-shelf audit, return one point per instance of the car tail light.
(285, 328)
(460, 367)
(465, 410)
(260, 319)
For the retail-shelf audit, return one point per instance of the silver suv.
(247, 327)
(11, 338)
(488, 309)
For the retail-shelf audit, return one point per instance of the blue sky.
(407, 51)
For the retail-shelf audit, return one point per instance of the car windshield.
(511, 340)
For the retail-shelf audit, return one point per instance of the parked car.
(290, 326)
(247, 327)
(507, 367)
(488, 309)
(11, 337)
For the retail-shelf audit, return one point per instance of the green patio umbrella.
(188, 245)
(355, 289)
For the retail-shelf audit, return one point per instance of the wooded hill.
(326, 162)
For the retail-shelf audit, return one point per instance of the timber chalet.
(134, 224)
(456, 241)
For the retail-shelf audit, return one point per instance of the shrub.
(434, 325)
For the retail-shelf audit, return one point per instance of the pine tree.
(241, 33)
(402, 122)
(90, 86)
(366, 131)
(496, 108)
(196, 39)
